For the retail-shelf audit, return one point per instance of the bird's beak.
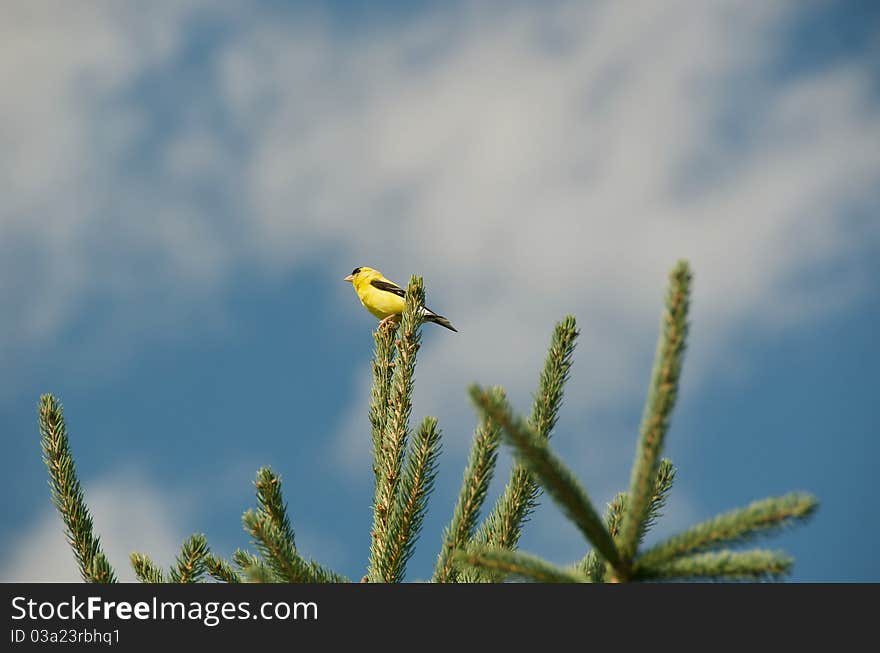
(349, 278)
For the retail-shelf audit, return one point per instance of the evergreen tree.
(405, 466)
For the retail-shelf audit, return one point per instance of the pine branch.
(382, 366)
(734, 527)
(502, 563)
(145, 570)
(396, 429)
(277, 551)
(656, 503)
(260, 574)
(658, 410)
(243, 559)
(614, 515)
(192, 561)
(474, 486)
(253, 568)
(591, 564)
(221, 570)
(503, 526)
(270, 529)
(271, 503)
(280, 555)
(409, 509)
(535, 455)
(67, 494)
(721, 565)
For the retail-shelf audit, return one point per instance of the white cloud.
(129, 514)
(526, 181)
(529, 161)
(58, 64)
(78, 221)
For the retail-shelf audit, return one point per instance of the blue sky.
(186, 184)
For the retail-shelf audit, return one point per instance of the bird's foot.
(391, 319)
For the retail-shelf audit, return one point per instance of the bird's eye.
(356, 270)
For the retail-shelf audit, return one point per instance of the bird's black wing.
(387, 286)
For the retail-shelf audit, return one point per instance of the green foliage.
(734, 527)
(411, 503)
(662, 394)
(67, 495)
(192, 562)
(392, 445)
(145, 569)
(380, 391)
(253, 568)
(546, 468)
(592, 565)
(742, 565)
(631, 514)
(405, 469)
(504, 563)
(272, 503)
(281, 556)
(221, 570)
(503, 526)
(657, 501)
(272, 534)
(474, 486)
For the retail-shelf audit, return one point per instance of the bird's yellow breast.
(379, 302)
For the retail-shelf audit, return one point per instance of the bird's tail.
(431, 316)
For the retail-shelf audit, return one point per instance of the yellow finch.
(384, 298)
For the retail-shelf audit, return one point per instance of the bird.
(385, 299)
